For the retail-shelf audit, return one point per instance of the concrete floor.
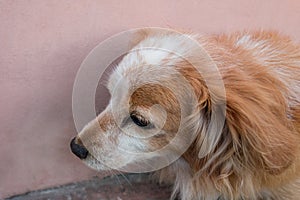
(121, 187)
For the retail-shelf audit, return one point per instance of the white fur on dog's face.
(145, 84)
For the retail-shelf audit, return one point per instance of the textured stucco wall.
(42, 45)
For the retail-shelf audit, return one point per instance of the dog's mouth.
(85, 156)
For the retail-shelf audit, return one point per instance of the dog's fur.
(257, 153)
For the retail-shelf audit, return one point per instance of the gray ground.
(130, 187)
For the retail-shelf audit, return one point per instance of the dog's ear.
(257, 119)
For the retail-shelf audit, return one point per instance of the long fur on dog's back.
(258, 154)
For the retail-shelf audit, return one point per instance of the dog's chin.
(93, 163)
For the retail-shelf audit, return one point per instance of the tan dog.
(256, 155)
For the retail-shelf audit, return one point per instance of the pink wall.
(42, 46)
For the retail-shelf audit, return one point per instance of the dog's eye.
(139, 120)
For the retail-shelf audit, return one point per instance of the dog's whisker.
(126, 179)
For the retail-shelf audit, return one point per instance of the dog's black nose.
(78, 149)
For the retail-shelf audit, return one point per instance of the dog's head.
(151, 114)
(162, 106)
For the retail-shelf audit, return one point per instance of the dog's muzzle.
(78, 149)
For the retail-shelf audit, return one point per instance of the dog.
(229, 133)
